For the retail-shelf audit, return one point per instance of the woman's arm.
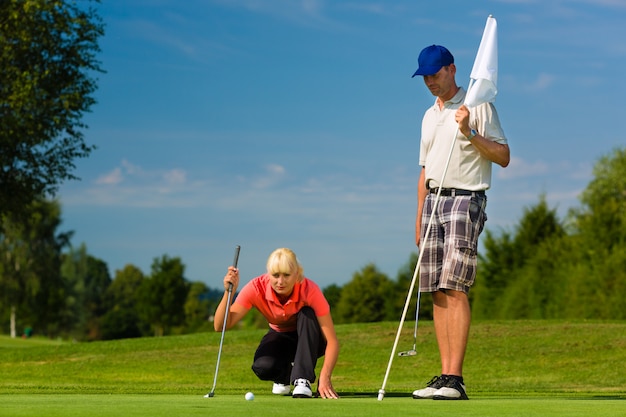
(324, 384)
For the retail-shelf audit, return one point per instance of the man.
(448, 267)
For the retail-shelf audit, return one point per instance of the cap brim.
(427, 70)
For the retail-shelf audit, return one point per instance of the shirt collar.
(456, 99)
(270, 295)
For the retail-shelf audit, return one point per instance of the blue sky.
(270, 123)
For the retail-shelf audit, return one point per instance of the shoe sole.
(454, 392)
(429, 396)
(442, 398)
(462, 396)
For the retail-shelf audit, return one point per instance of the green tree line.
(543, 267)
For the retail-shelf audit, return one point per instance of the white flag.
(484, 75)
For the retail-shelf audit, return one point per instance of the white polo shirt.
(467, 170)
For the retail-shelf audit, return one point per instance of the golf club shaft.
(417, 316)
(219, 352)
(381, 391)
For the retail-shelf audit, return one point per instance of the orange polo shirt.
(258, 293)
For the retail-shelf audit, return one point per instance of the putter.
(413, 351)
(219, 351)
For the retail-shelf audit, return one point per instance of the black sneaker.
(452, 390)
(433, 386)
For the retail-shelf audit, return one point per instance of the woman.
(301, 326)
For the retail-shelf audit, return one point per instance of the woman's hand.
(232, 277)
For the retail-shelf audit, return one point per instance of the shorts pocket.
(465, 246)
(464, 270)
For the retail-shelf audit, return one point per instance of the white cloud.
(274, 174)
(131, 169)
(111, 178)
(542, 82)
(130, 184)
(370, 7)
(119, 174)
(519, 168)
(175, 177)
(308, 13)
(159, 34)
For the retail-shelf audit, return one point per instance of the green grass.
(517, 368)
(131, 405)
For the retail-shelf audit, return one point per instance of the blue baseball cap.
(432, 59)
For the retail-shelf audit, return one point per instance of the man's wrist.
(471, 135)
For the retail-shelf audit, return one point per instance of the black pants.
(278, 350)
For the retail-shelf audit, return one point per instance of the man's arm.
(493, 151)
(421, 197)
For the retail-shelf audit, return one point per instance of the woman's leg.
(273, 357)
(311, 345)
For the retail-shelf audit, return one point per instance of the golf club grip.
(237, 249)
(235, 261)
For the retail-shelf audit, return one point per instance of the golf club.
(219, 352)
(413, 351)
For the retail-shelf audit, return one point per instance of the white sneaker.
(431, 388)
(302, 388)
(452, 390)
(281, 389)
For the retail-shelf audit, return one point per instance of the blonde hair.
(284, 261)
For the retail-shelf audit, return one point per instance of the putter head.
(411, 352)
(209, 395)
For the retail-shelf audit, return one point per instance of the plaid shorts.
(449, 260)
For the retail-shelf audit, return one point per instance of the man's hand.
(462, 118)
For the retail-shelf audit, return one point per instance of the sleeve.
(317, 301)
(423, 149)
(246, 296)
(487, 123)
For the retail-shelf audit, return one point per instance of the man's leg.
(452, 321)
(454, 311)
(440, 319)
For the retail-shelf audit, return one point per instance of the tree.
(30, 253)
(506, 255)
(198, 307)
(545, 270)
(86, 280)
(602, 217)
(600, 229)
(47, 55)
(403, 282)
(369, 297)
(121, 319)
(162, 295)
(332, 293)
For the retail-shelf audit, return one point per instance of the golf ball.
(249, 396)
